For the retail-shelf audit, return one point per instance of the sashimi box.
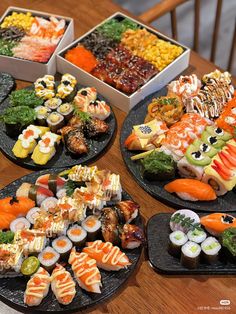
(27, 70)
(115, 96)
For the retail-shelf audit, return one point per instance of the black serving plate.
(62, 158)
(7, 84)
(158, 231)
(12, 289)
(156, 188)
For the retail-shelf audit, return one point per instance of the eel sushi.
(95, 127)
(37, 287)
(85, 271)
(216, 223)
(36, 193)
(63, 285)
(107, 256)
(190, 255)
(191, 190)
(51, 181)
(131, 236)
(210, 250)
(128, 210)
(74, 140)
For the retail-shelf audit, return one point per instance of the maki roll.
(34, 192)
(53, 103)
(184, 220)
(11, 260)
(62, 246)
(92, 225)
(55, 121)
(190, 255)
(19, 224)
(48, 258)
(210, 249)
(66, 90)
(77, 235)
(66, 110)
(176, 240)
(44, 87)
(49, 203)
(42, 113)
(33, 214)
(51, 181)
(228, 241)
(99, 109)
(197, 235)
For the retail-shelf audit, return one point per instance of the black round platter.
(156, 188)
(62, 158)
(12, 289)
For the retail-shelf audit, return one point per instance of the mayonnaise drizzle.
(63, 287)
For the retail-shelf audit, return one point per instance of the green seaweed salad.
(158, 166)
(6, 237)
(114, 28)
(25, 97)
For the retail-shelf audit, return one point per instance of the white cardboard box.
(28, 70)
(117, 98)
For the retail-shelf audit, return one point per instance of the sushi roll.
(53, 103)
(187, 170)
(190, 255)
(36, 193)
(11, 260)
(19, 224)
(66, 110)
(66, 90)
(84, 97)
(49, 203)
(176, 240)
(45, 149)
(85, 271)
(51, 181)
(42, 113)
(62, 246)
(63, 285)
(131, 236)
(77, 235)
(196, 235)
(107, 256)
(184, 220)
(55, 121)
(92, 225)
(191, 190)
(99, 109)
(44, 87)
(210, 250)
(48, 258)
(81, 173)
(37, 287)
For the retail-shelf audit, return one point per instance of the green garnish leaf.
(6, 237)
(84, 116)
(70, 186)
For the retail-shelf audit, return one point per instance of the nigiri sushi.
(37, 287)
(63, 285)
(85, 271)
(18, 206)
(191, 190)
(128, 210)
(107, 256)
(216, 223)
(132, 236)
(99, 109)
(5, 220)
(51, 181)
(34, 192)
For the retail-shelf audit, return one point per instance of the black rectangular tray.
(158, 231)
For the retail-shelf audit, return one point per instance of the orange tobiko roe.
(82, 57)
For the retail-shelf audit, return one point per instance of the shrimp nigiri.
(86, 272)
(63, 285)
(37, 287)
(216, 223)
(108, 257)
(191, 190)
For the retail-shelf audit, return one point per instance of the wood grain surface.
(147, 291)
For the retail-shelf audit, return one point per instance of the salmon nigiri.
(63, 285)
(216, 223)
(191, 190)
(37, 287)
(5, 220)
(86, 272)
(16, 205)
(107, 256)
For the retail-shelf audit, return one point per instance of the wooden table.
(146, 291)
